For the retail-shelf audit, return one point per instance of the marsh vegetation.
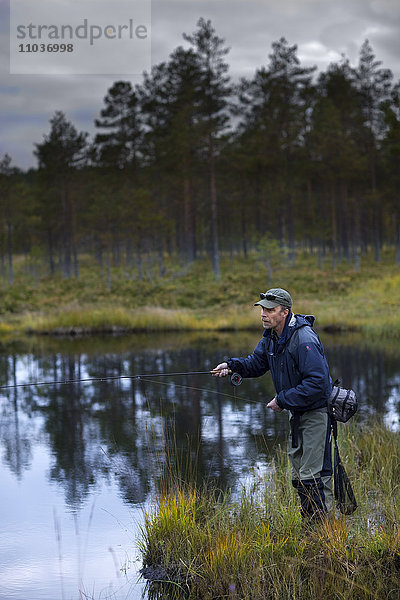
(208, 544)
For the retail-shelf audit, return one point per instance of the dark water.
(79, 462)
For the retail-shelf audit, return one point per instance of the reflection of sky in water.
(48, 550)
(94, 543)
(392, 408)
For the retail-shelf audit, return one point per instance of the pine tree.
(374, 85)
(9, 205)
(213, 111)
(334, 147)
(59, 155)
(169, 100)
(391, 157)
(118, 145)
(274, 108)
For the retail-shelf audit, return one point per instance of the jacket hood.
(304, 320)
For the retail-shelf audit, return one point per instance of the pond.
(81, 461)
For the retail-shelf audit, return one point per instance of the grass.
(191, 299)
(155, 318)
(212, 545)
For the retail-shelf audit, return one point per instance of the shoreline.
(121, 321)
(115, 330)
(342, 301)
(97, 322)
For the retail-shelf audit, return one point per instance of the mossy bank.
(366, 300)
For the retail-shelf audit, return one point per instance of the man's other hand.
(273, 404)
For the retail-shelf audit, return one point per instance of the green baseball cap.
(275, 297)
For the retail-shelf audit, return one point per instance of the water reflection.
(374, 372)
(130, 427)
(124, 434)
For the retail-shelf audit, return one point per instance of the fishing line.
(236, 379)
(189, 387)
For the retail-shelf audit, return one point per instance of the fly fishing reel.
(236, 379)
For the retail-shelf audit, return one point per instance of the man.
(292, 351)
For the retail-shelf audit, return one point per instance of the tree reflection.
(14, 432)
(148, 432)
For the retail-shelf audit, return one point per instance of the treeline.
(190, 163)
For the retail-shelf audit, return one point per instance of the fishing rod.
(235, 379)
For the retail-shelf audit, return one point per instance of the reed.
(213, 545)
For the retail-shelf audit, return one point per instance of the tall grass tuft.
(214, 546)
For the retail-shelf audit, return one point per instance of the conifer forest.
(191, 163)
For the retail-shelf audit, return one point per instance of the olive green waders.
(311, 460)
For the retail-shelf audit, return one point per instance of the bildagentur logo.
(91, 32)
(80, 37)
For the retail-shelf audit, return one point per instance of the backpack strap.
(334, 429)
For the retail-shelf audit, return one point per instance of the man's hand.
(273, 404)
(221, 370)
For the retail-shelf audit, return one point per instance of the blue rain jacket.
(297, 362)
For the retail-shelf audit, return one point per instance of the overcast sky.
(322, 29)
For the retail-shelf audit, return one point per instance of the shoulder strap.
(334, 429)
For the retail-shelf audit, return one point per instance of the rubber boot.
(312, 499)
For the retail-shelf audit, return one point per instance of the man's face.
(274, 318)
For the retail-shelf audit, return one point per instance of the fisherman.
(293, 352)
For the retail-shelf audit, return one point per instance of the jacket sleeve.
(315, 382)
(254, 365)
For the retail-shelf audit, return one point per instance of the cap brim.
(267, 304)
